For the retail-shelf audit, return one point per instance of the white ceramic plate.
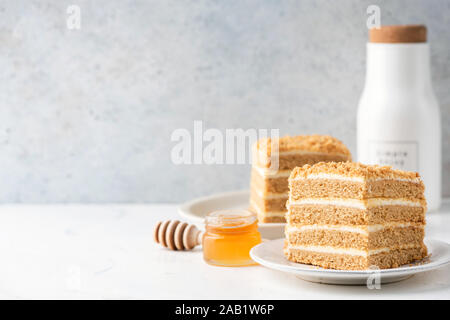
(270, 254)
(196, 210)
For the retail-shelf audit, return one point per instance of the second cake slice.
(269, 188)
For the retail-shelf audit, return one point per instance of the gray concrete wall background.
(87, 115)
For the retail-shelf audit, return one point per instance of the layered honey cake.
(353, 216)
(269, 186)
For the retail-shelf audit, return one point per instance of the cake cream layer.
(356, 237)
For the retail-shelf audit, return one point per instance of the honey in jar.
(229, 236)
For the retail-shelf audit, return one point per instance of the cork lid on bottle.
(399, 34)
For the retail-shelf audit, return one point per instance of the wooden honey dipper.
(177, 235)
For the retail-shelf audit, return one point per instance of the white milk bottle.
(399, 121)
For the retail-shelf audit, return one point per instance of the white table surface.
(107, 252)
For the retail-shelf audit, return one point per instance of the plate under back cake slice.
(353, 216)
(269, 186)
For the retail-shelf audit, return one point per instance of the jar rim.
(230, 218)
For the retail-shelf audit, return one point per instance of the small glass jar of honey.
(229, 236)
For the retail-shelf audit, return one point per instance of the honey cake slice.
(353, 216)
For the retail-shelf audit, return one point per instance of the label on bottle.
(401, 155)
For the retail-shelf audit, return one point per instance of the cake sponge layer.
(383, 260)
(266, 217)
(271, 219)
(289, 161)
(269, 184)
(329, 214)
(354, 170)
(355, 237)
(340, 188)
(269, 204)
(312, 143)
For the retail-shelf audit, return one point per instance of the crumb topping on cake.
(313, 143)
(353, 170)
